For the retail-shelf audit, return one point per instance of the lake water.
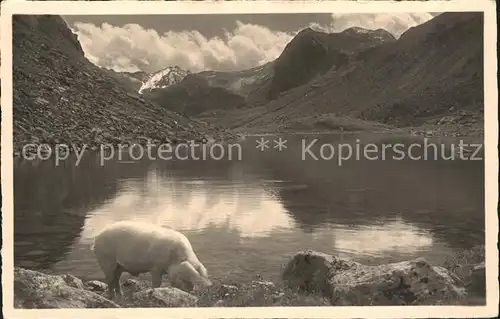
(248, 217)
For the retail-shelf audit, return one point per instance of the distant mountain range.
(240, 82)
(309, 54)
(432, 75)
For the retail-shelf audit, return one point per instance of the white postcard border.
(233, 7)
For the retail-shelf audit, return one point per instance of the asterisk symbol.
(280, 144)
(262, 144)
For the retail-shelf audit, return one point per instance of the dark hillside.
(60, 97)
(194, 95)
(313, 53)
(131, 80)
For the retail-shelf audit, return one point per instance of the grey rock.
(33, 289)
(312, 271)
(163, 297)
(264, 285)
(95, 285)
(134, 285)
(72, 281)
(349, 283)
(227, 290)
(41, 101)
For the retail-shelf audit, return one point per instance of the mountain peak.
(356, 30)
(307, 30)
(378, 33)
(163, 78)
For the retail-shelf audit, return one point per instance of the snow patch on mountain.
(241, 82)
(163, 78)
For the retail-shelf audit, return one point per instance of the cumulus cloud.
(132, 47)
(396, 23)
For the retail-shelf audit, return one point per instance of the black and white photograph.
(219, 159)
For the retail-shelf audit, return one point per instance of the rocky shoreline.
(309, 279)
(221, 136)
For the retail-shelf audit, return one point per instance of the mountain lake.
(247, 216)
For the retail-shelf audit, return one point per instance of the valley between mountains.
(429, 81)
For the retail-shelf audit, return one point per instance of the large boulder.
(348, 283)
(33, 289)
(404, 283)
(130, 286)
(311, 271)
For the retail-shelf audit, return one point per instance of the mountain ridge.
(431, 75)
(311, 53)
(163, 78)
(295, 66)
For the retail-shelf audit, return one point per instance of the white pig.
(138, 247)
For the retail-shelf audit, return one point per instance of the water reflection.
(269, 204)
(51, 203)
(433, 194)
(394, 237)
(192, 206)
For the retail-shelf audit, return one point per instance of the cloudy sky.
(210, 42)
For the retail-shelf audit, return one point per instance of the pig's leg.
(116, 279)
(109, 267)
(111, 289)
(156, 274)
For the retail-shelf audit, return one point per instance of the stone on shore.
(348, 283)
(130, 286)
(311, 271)
(33, 289)
(163, 298)
(96, 286)
(311, 279)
